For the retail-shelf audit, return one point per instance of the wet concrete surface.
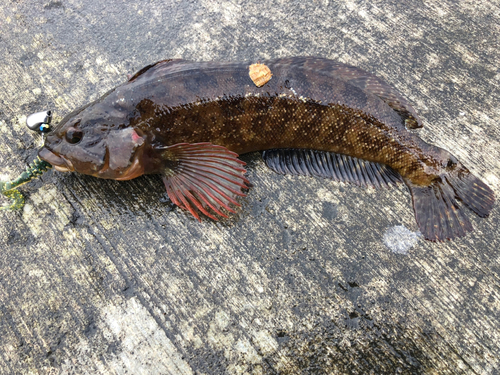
(310, 276)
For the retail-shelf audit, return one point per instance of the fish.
(189, 122)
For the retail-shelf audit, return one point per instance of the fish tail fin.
(438, 214)
(472, 192)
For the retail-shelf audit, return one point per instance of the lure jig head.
(39, 122)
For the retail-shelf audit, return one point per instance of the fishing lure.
(39, 122)
(8, 189)
(189, 121)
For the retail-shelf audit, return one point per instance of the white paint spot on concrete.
(399, 239)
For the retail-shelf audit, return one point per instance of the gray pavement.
(311, 276)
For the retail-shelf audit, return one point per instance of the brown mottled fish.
(189, 121)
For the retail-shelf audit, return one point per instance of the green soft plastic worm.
(8, 189)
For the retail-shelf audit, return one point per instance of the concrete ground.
(311, 276)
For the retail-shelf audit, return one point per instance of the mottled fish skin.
(300, 107)
(310, 103)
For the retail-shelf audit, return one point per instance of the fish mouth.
(58, 162)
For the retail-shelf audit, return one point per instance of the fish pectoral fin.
(204, 177)
(330, 165)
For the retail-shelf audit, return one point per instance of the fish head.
(95, 140)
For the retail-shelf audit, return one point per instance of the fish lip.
(60, 168)
(60, 163)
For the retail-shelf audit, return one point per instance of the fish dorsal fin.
(374, 85)
(324, 164)
(133, 77)
(204, 176)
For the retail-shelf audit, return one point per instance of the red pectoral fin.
(206, 177)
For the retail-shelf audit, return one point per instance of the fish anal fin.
(330, 165)
(205, 178)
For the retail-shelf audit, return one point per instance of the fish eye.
(73, 135)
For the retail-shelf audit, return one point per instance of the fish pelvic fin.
(204, 178)
(437, 210)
